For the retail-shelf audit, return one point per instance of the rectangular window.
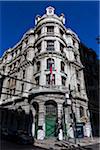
(37, 80)
(62, 66)
(75, 56)
(39, 33)
(63, 81)
(50, 45)
(50, 79)
(61, 47)
(78, 87)
(39, 47)
(50, 29)
(38, 66)
(77, 74)
(22, 87)
(23, 74)
(61, 32)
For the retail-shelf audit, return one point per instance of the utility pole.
(69, 102)
(73, 115)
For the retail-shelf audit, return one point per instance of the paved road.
(94, 146)
(7, 145)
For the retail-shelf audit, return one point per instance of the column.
(29, 78)
(57, 46)
(58, 76)
(26, 116)
(30, 54)
(43, 76)
(33, 121)
(60, 114)
(18, 83)
(56, 30)
(43, 46)
(77, 113)
(41, 122)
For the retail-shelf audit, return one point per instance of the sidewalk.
(65, 144)
(89, 141)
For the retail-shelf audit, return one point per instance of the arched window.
(38, 66)
(51, 108)
(50, 63)
(81, 111)
(62, 66)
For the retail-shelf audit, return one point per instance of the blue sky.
(17, 17)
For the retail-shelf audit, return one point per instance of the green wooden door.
(50, 125)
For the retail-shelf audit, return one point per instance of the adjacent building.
(40, 72)
(91, 75)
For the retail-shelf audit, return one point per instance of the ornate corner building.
(43, 82)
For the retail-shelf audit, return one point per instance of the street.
(94, 146)
(7, 145)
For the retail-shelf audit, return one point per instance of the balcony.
(48, 88)
(48, 34)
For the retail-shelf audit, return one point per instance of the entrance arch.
(50, 119)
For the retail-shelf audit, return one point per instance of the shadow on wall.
(16, 125)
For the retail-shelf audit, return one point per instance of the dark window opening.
(73, 42)
(51, 109)
(38, 66)
(75, 56)
(50, 63)
(37, 80)
(61, 47)
(22, 87)
(63, 81)
(62, 66)
(23, 74)
(61, 32)
(77, 74)
(39, 33)
(81, 111)
(78, 86)
(50, 79)
(50, 29)
(50, 45)
(39, 47)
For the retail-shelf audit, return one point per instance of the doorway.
(51, 119)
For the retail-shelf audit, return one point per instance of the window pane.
(50, 62)
(50, 45)
(50, 29)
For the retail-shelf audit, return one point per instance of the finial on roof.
(50, 10)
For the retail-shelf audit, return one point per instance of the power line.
(23, 80)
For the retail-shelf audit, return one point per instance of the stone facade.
(40, 72)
